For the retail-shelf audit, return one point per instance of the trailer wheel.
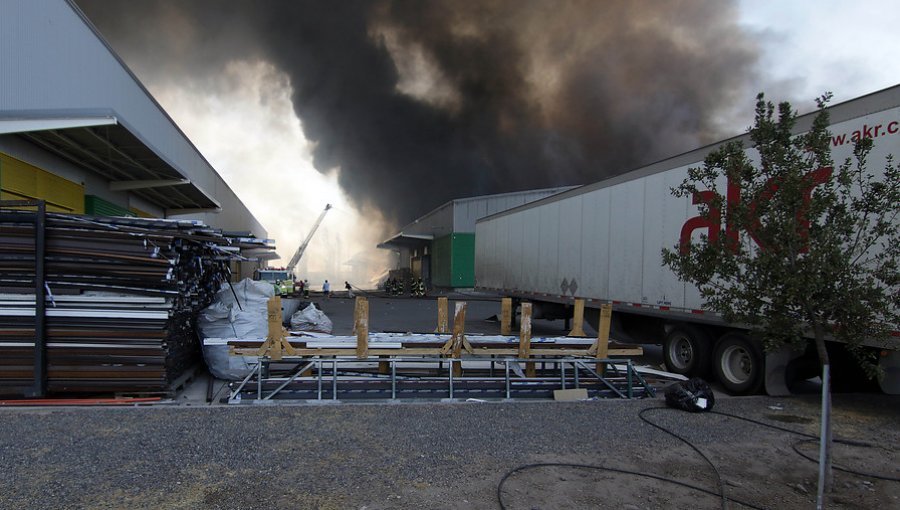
(686, 351)
(738, 364)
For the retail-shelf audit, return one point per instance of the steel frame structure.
(574, 372)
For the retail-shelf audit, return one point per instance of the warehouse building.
(440, 246)
(78, 130)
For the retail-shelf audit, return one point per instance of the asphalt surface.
(419, 315)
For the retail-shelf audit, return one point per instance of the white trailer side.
(603, 242)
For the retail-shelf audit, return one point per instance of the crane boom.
(302, 248)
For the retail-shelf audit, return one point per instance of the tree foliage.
(796, 245)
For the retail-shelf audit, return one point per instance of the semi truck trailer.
(603, 242)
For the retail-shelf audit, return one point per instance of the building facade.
(79, 130)
(439, 247)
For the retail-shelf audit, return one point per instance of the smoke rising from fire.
(414, 103)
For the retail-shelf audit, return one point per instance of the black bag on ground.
(693, 395)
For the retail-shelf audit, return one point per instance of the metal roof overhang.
(405, 240)
(101, 144)
(260, 254)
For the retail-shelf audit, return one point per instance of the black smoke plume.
(418, 102)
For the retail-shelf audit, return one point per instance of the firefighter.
(420, 287)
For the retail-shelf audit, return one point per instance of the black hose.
(693, 447)
(813, 437)
(613, 470)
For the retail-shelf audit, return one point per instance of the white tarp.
(311, 319)
(225, 318)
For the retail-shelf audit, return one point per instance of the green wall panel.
(96, 206)
(441, 259)
(463, 260)
(453, 261)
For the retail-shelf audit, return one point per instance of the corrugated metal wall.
(467, 211)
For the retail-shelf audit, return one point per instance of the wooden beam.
(362, 329)
(506, 316)
(525, 339)
(356, 313)
(459, 335)
(578, 319)
(434, 351)
(443, 325)
(603, 336)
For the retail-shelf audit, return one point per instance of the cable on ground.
(721, 492)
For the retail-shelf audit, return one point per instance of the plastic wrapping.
(311, 319)
(226, 319)
(222, 365)
(693, 395)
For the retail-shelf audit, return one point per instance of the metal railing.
(328, 379)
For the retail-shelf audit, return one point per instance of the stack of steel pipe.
(122, 295)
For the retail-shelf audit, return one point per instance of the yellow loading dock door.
(22, 181)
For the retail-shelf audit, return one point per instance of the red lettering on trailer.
(893, 127)
(697, 312)
(713, 223)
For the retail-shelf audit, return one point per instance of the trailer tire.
(739, 364)
(686, 351)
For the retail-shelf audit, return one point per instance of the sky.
(810, 47)
(386, 110)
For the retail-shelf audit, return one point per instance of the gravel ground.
(434, 455)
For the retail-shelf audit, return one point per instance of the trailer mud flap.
(890, 364)
(776, 370)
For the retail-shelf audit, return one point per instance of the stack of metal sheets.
(122, 298)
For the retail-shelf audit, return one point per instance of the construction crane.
(283, 279)
(302, 248)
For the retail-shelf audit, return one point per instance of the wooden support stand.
(525, 339)
(277, 347)
(458, 340)
(276, 344)
(443, 325)
(578, 319)
(506, 316)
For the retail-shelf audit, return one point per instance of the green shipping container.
(453, 261)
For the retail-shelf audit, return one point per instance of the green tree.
(808, 248)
